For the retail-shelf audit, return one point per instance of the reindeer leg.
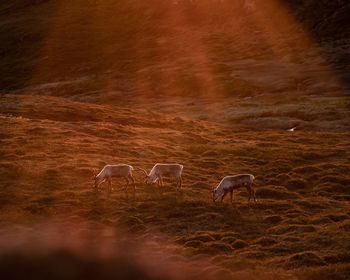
(223, 196)
(231, 195)
(109, 184)
(127, 184)
(179, 182)
(161, 180)
(254, 196)
(133, 182)
(250, 192)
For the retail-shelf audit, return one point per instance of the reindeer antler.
(141, 169)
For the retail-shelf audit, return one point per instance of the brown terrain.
(212, 85)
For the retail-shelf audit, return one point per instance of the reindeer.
(229, 183)
(118, 170)
(163, 169)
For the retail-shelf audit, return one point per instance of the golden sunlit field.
(220, 88)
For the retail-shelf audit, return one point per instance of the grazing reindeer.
(118, 170)
(163, 169)
(229, 183)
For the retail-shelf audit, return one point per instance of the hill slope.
(212, 85)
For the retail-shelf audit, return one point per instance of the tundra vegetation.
(221, 90)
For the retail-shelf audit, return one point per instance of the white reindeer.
(164, 169)
(229, 183)
(117, 170)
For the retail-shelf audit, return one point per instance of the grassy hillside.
(300, 222)
(214, 86)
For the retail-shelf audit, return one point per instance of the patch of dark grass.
(265, 241)
(276, 192)
(284, 229)
(274, 219)
(305, 259)
(335, 272)
(297, 184)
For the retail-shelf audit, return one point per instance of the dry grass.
(50, 145)
(219, 102)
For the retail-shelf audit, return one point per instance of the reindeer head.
(95, 178)
(216, 194)
(213, 193)
(150, 179)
